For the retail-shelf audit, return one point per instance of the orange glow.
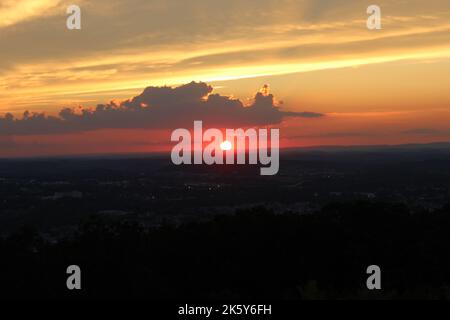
(383, 87)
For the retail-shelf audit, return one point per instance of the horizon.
(166, 154)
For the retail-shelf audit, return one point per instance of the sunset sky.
(333, 81)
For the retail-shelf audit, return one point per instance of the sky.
(309, 67)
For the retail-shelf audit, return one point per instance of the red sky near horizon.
(387, 86)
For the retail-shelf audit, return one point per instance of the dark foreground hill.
(252, 254)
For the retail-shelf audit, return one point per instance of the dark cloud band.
(156, 108)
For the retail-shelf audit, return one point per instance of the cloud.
(15, 11)
(340, 134)
(426, 132)
(156, 108)
(236, 39)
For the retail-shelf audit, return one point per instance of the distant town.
(54, 195)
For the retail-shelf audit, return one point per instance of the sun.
(226, 145)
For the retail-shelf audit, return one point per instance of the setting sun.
(226, 145)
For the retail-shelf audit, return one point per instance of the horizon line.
(157, 154)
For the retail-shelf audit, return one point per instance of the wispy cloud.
(123, 44)
(15, 11)
(426, 132)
